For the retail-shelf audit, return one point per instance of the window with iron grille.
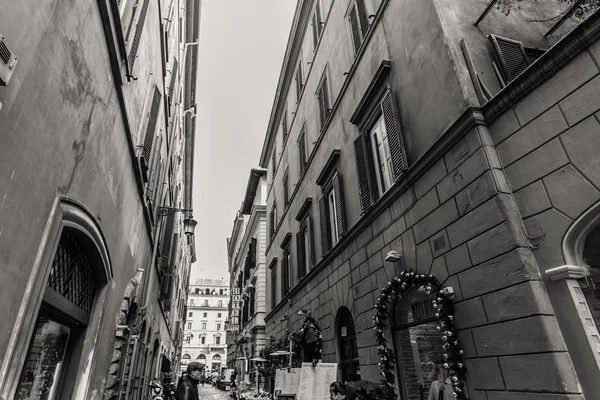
(317, 23)
(323, 100)
(302, 153)
(359, 22)
(379, 152)
(71, 274)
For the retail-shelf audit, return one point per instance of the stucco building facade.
(204, 333)
(453, 141)
(247, 269)
(96, 148)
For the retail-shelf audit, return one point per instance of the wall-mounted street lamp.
(189, 224)
(393, 256)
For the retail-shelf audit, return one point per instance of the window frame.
(204, 326)
(299, 77)
(305, 244)
(286, 188)
(317, 24)
(362, 30)
(273, 268)
(302, 143)
(325, 110)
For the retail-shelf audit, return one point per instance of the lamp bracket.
(162, 211)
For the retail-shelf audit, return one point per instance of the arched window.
(201, 359)
(216, 357)
(346, 337)
(417, 343)
(216, 363)
(186, 357)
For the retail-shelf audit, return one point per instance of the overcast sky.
(242, 43)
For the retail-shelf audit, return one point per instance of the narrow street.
(209, 392)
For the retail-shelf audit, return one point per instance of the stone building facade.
(247, 269)
(451, 140)
(96, 150)
(204, 333)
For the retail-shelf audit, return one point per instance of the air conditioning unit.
(8, 62)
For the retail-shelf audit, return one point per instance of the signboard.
(236, 290)
(287, 382)
(235, 313)
(236, 298)
(315, 381)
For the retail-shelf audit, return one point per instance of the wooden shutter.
(285, 273)
(339, 205)
(311, 261)
(138, 33)
(362, 171)
(325, 91)
(315, 30)
(252, 301)
(319, 18)
(362, 17)
(392, 124)
(174, 71)
(511, 56)
(286, 189)
(302, 150)
(274, 287)
(299, 82)
(151, 125)
(300, 250)
(167, 242)
(325, 239)
(253, 252)
(355, 28)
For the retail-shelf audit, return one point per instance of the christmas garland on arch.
(453, 354)
(311, 323)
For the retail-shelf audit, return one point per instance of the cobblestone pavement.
(208, 392)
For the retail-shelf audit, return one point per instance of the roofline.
(251, 186)
(292, 50)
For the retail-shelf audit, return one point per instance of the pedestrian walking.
(188, 388)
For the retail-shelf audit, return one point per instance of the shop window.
(418, 346)
(348, 350)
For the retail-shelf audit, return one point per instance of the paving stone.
(566, 80)
(550, 372)
(528, 335)
(504, 126)
(458, 259)
(469, 313)
(523, 300)
(532, 199)
(479, 191)
(583, 102)
(508, 269)
(422, 208)
(537, 164)
(582, 143)
(477, 221)
(466, 173)
(430, 178)
(569, 192)
(492, 243)
(484, 374)
(537, 132)
(435, 221)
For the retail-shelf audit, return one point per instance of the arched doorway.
(348, 350)
(216, 363)
(417, 344)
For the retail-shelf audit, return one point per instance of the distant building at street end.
(454, 146)
(246, 254)
(204, 333)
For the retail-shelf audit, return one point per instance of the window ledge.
(567, 272)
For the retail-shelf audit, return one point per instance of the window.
(379, 153)
(359, 22)
(284, 123)
(189, 326)
(305, 247)
(204, 326)
(220, 292)
(274, 285)
(286, 188)
(220, 303)
(218, 340)
(218, 327)
(511, 58)
(219, 315)
(317, 23)
(207, 291)
(139, 28)
(274, 158)
(286, 265)
(197, 291)
(346, 335)
(299, 81)
(323, 99)
(191, 302)
(302, 153)
(331, 208)
(205, 303)
(203, 340)
(191, 314)
(252, 301)
(204, 315)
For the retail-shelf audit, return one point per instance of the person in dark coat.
(188, 388)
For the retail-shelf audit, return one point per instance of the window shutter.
(138, 33)
(392, 124)
(355, 28)
(325, 240)
(167, 241)
(302, 150)
(285, 271)
(311, 261)
(315, 30)
(319, 17)
(362, 17)
(274, 287)
(363, 173)
(299, 83)
(253, 253)
(151, 125)
(300, 250)
(174, 71)
(326, 105)
(339, 205)
(322, 108)
(511, 56)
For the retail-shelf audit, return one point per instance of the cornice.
(304, 208)
(372, 92)
(472, 117)
(328, 167)
(253, 182)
